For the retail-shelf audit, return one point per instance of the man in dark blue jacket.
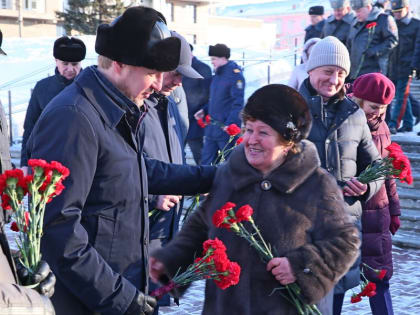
(164, 141)
(197, 91)
(68, 53)
(403, 60)
(316, 16)
(225, 103)
(96, 232)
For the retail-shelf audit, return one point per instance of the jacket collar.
(349, 18)
(62, 79)
(285, 178)
(374, 14)
(406, 19)
(103, 95)
(225, 67)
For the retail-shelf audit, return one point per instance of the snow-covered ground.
(30, 59)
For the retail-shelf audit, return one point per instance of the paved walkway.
(405, 290)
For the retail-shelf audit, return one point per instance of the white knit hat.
(329, 51)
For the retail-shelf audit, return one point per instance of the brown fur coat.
(301, 215)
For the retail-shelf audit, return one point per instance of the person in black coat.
(96, 233)
(164, 141)
(338, 24)
(403, 60)
(68, 53)
(197, 91)
(316, 15)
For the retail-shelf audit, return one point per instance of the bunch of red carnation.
(213, 265)
(367, 288)
(42, 185)
(395, 165)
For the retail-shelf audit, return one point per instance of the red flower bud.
(381, 274)
(201, 123)
(239, 141)
(233, 130)
(355, 298)
(244, 213)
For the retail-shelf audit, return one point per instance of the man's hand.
(166, 202)
(43, 276)
(142, 304)
(281, 270)
(199, 114)
(395, 224)
(156, 269)
(354, 188)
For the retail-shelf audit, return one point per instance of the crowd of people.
(121, 127)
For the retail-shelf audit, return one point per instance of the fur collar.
(286, 178)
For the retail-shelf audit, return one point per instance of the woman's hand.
(156, 269)
(354, 188)
(281, 270)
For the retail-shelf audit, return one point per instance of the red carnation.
(5, 202)
(381, 274)
(239, 141)
(215, 244)
(394, 147)
(231, 278)
(57, 166)
(371, 25)
(228, 205)
(220, 260)
(220, 218)
(244, 213)
(355, 298)
(368, 289)
(14, 227)
(233, 130)
(208, 119)
(201, 123)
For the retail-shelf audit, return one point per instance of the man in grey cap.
(164, 141)
(338, 24)
(403, 60)
(372, 37)
(343, 140)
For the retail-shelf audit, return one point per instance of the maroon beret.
(374, 87)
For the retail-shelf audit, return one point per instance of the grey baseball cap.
(338, 4)
(1, 40)
(185, 59)
(357, 4)
(397, 5)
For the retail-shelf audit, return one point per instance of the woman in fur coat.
(298, 208)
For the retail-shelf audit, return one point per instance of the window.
(191, 12)
(5, 4)
(35, 5)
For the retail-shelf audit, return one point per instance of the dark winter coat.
(197, 91)
(384, 39)
(338, 28)
(314, 30)
(226, 100)
(44, 91)
(179, 99)
(96, 232)
(345, 150)
(163, 141)
(377, 212)
(406, 55)
(301, 214)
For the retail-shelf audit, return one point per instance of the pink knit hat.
(374, 87)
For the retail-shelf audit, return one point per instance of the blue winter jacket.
(226, 99)
(96, 232)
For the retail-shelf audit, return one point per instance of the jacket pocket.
(105, 235)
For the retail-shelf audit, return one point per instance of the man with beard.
(343, 140)
(96, 232)
(68, 53)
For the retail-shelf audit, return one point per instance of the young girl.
(373, 92)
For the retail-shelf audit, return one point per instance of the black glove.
(142, 305)
(43, 276)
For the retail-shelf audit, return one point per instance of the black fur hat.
(283, 109)
(141, 38)
(219, 50)
(316, 10)
(1, 40)
(69, 49)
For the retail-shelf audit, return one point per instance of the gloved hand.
(43, 276)
(142, 304)
(395, 224)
